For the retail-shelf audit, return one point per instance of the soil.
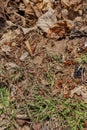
(47, 67)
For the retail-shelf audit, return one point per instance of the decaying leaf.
(75, 2)
(26, 2)
(11, 65)
(47, 4)
(47, 20)
(29, 10)
(65, 13)
(7, 37)
(6, 48)
(34, 9)
(65, 2)
(26, 127)
(68, 3)
(60, 29)
(20, 122)
(80, 90)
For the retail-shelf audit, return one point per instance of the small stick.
(29, 47)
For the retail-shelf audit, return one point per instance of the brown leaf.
(37, 126)
(47, 20)
(36, 10)
(75, 2)
(60, 28)
(85, 124)
(46, 4)
(28, 10)
(58, 84)
(26, 2)
(65, 2)
(67, 95)
(20, 122)
(26, 128)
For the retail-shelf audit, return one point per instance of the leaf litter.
(41, 86)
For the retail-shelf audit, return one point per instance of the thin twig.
(29, 47)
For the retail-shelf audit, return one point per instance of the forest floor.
(43, 65)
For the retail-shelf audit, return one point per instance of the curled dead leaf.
(60, 29)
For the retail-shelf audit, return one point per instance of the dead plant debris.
(43, 65)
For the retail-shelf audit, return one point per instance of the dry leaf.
(11, 65)
(26, 2)
(65, 2)
(6, 48)
(60, 29)
(20, 122)
(39, 4)
(75, 2)
(26, 30)
(36, 11)
(36, 126)
(47, 4)
(64, 13)
(81, 90)
(8, 37)
(47, 20)
(28, 10)
(25, 128)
